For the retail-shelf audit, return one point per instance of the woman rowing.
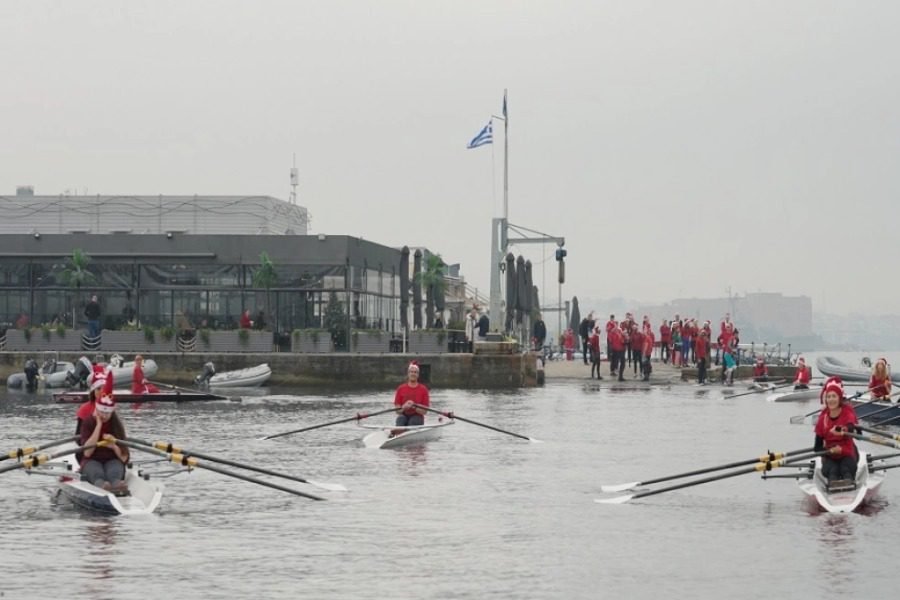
(802, 377)
(104, 466)
(101, 383)
(408, 395)
(836, 419)
(139, 383)
(880, 382)
(760, 371)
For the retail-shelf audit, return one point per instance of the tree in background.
(336, 321)
(432, 279)
(75, 274)
(266, 277)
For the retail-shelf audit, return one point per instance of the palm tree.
(432, 279)
(266, 277)
(76, 274)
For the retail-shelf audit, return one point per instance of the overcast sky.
(681, 148)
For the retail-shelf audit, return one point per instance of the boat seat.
(841, 485)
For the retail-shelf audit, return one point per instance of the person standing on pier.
(595, 352)
(484, 325)
(539, 333)
(647, 351)
(665, 338)
(617, 343)
(471, 324)
(702, 349)
(610, 325)
(92, 312)
(584, 333)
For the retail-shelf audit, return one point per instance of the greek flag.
(485, 136)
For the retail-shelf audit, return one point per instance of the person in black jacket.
(539, 332)
(484, 324)
(92, 312)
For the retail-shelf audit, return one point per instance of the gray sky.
(680, 147)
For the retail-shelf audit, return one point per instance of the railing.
(186, 345)
(91, 343)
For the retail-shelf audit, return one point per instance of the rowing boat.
(126, 396)
(385, 437)
(843, 499)
(143, 496)
(795, 395)
(884, 409)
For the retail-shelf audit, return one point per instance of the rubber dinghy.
(832, 367)
(249, 377)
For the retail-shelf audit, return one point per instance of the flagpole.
(505, 160)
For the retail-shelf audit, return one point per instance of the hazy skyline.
(682, 148)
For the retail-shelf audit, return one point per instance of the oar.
(451, 415)
(771, 456)
(762, 466)
(189, 461)
(169, 448)
(881, 441)
(759, 391)
(173, 387)
(878, 432)
(36, 460)
(19, 453)
(883, 421)
(358, 417)
(797, 419)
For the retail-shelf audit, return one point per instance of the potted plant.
(312, 340)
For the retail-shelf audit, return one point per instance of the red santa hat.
(832, 384)
(106, 404)
(801, 361)
(413, 366)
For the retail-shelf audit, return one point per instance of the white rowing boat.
(385, 437)
(143, 497)
(847, 498)
(795, 395)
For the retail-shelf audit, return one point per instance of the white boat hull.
(381, 437)
(250, 377)
(792, 396)
(867, 485)
(143, 499)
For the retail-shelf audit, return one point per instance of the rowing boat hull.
(143, 499)
(381, 438)
(867, 485)
(126, 396)
(795, 396)
(885, 411)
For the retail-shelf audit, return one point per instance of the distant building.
(254, 215)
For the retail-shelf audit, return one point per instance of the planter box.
(71, 342)
(133, 341)
(365, 341)
(427, 342)
(304, 342)
(229, 341)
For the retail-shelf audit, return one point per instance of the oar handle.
(451, 415)
(20, 453)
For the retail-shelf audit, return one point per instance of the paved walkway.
(663, 374)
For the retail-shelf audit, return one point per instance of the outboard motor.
(866, 362)
(116, 361)
(203, 378)
(78, 376)
(31, 374)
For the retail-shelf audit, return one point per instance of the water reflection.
(414, 459)
(99, 553)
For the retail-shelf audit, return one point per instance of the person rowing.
(836, 419)
(802, 377)
(409, 394)
(139, 383)
(100, 382)
(104, 466)
(760, 371)
(880, 382)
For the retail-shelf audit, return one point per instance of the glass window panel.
(187, 274)
(13, 305)
(223, 309)
(14, 276)
(156, 307)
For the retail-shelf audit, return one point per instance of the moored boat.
(385, 437)
(795, 395)
(831, 366)
(249, 377)
(77, 397)
(842, 499)
(52, 374)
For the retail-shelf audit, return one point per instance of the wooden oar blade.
(619, 487)
(614, 499)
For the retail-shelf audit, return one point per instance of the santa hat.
(832, 384)
(801, 361)
(106, 404)
(413, 366)
(760, 360)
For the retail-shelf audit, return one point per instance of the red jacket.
(825, 424)
(880, 389)
(760, 370)
(701, 347)
(617, 340)
(665, 334)
(802, 376)
(637, 340)
(649, 342)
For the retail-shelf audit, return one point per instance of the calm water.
(475, 514)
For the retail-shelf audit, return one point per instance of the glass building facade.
(199, 280)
